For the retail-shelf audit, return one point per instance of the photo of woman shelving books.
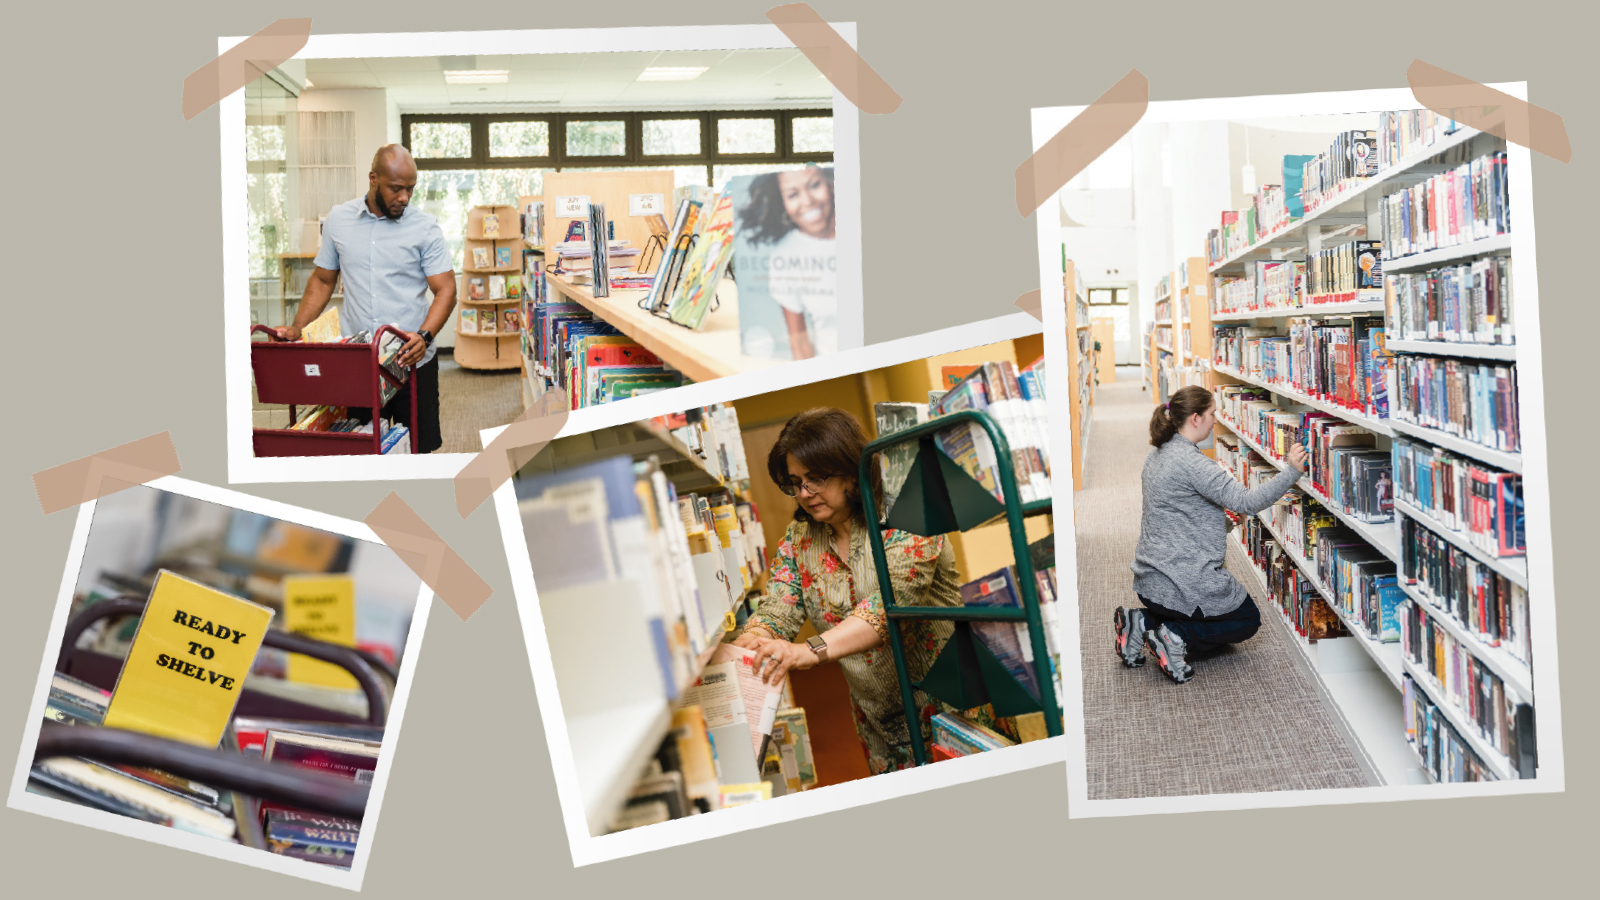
(751, 558)
(1300, 518)
(227, 674)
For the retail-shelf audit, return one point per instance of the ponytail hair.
(1193, 400)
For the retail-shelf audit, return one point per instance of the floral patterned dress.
(809, 582)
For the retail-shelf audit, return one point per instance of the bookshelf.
(534, 291)
(1350, 208)
(482, 348)
(1080, 362)
(711, 352)
(1361, 206)
(293, 271)
(613, 683)
(1104, 332)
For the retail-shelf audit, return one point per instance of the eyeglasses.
(811, 485)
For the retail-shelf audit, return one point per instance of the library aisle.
(1145, 736)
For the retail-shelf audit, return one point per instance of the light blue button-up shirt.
(384, 264)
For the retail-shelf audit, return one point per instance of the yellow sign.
(298, 547)
(187, 665)
(323, 608)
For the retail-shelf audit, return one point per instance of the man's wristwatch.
(427, 337)
(819, 647)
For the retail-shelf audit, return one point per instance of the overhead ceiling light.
(477, 76)
(672, 73)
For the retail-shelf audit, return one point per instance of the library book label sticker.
(185, 671)
(647, 204)
(322, 608)
(573, 207)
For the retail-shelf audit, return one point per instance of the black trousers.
(1202, 632)
(399, 407)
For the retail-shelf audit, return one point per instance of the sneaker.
(1130, 636)
(1168, 648)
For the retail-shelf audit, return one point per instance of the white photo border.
(246, 468)
(1535, 470)
(587, 848)
(20, 799)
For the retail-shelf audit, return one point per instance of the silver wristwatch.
(819, 647)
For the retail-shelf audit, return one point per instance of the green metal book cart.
(939, 497)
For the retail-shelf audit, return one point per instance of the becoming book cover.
(786, 263)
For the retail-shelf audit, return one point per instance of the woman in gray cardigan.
(1191, 602)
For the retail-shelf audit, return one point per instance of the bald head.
(392, 179)
(393, 158)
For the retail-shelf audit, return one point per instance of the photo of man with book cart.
(1300, 493)
(804, 587)
(685, 232)
(226, 674)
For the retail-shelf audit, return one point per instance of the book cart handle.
(275, 782)
(267, 330)
(358, 664)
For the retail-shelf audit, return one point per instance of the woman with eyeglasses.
(823, 573)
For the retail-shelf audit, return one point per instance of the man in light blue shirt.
(390, 256)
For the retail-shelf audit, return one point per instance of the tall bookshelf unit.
(1361, 679)
(1080, 362)
(482, 348)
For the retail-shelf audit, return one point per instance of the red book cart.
(348, 375)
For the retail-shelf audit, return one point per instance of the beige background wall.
(471, 808)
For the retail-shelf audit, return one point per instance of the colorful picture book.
(704, 267)
(491, 225)
(502, 257)
(482, 258)
(475, 288)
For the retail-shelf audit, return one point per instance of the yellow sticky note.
(186, 668)
(323, 608)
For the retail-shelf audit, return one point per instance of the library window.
(812, 134)
(741, 136)
(440, 140)
(519, 139)
(671, 137)
(597, 138)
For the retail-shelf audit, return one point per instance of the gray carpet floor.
(471, 400)
(1250, 720)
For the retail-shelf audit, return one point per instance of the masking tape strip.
(98, 474)
(520, 442)
(425, 553)
(835, 58)
(252, 58)
(1081, 141)
(1032, 303)
(1486, 109)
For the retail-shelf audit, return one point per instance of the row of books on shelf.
(1339, 361)
(489, 321)
(481, 288)
(955, 735)
(1499, 717)
(689, 559)
(1467, 203)
(490, 258)
(732, 740)
(712, 434)
(1295, 595)
(152, 795)
(1347, 273)
(1009, 641)
(591, 360)
(1476, 402)
(1472, 500)
(1485, 603)
(1437, 743)
(1310, 183)
(1014, 398)
(1469, 303)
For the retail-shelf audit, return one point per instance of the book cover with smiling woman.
(785, 262)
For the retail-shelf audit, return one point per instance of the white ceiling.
(588, 81)
(1329, 124)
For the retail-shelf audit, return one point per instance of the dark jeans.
(1204, 633)
(399, 408)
